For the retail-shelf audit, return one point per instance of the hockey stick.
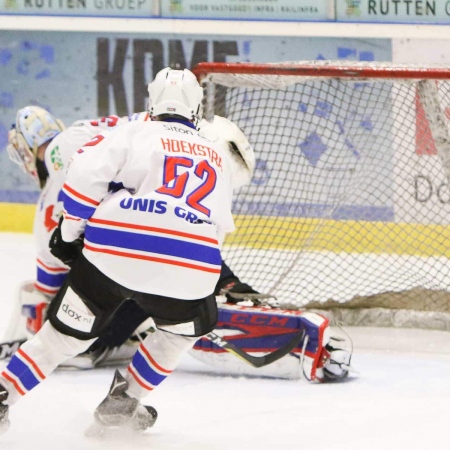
(7, 349)
(257, 361)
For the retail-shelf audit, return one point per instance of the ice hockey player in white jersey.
(157, 241)
(42, 147)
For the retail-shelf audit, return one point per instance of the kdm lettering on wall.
(147, 58)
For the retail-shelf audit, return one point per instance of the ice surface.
(399, 400)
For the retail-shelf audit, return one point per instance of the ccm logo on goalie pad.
(74, 313)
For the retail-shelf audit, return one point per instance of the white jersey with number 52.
(161, 230)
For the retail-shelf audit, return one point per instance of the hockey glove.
(234, 290)
(67, 252)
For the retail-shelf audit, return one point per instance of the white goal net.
(349, 207)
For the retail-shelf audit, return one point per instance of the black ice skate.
(4, 410)
(119, 410)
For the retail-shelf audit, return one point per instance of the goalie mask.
(175, 93)
(34, 126)
(232, 140)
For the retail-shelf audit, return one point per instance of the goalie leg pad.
(29, 312)
(36, 316)
(262, 330)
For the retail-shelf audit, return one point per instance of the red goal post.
(349, 208)
(339, 69)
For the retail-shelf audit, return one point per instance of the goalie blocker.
(259, 330)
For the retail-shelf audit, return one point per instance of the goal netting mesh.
(348, 211)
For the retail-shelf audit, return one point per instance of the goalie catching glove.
(66, 252)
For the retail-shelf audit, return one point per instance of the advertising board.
(90, 8)
(393, 11)
(247, 9)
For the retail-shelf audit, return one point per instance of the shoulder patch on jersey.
(55, 158)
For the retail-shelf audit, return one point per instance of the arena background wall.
(61, 64)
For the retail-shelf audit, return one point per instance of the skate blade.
(98, 431)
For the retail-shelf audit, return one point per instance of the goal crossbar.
(340, 69)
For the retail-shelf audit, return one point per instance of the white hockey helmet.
(175, 92)
(234, 143)
(33, 127)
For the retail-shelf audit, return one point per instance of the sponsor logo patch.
(74, 313)
(55, 157)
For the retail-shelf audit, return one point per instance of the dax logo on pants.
(74, 313)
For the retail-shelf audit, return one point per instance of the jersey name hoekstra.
(192, 148)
